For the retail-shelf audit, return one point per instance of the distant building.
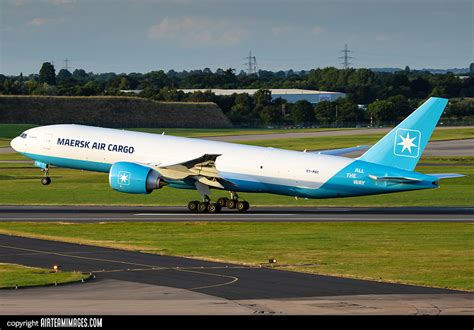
(290, 95)
(131, 91)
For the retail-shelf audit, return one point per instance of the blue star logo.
(123, 178)
(407, 143)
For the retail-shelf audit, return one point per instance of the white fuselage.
(259, 165)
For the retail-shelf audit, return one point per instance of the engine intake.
(134, 178)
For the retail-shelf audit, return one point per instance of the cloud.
(286, 31)
(381, 37)
(317, 30)
(279, 31)
(62, 2)
(40, 21)
(196, 30)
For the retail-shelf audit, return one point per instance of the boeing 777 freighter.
(139, 163)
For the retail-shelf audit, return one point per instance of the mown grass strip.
(431, 254)
(12, 275)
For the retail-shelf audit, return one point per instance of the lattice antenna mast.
(66, 64)
(346, 57)
(254, 65)
(251, 64)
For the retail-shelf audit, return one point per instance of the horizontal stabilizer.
(446, 175)
(395, 179)
(341, 151)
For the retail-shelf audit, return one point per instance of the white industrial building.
(290, 95)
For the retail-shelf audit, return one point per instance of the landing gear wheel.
(193, 206)
(213, 208)
(242, 206)
(202, 207)
(231, 204)
(222, 201)
(45, 180)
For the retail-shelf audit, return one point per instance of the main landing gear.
(207, 206)
(45, 180)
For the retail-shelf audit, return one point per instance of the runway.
(255, 214)
(229, 281)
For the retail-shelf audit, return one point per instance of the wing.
(341, 151)
(203, 169)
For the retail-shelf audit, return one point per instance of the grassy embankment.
(12, 275)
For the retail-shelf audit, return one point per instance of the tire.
(193, 205)
(213, 208)
(202, 207)
(45, 180)
(242, 206)
(222, 201)
(230, 204)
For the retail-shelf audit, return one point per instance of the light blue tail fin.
(402, 146)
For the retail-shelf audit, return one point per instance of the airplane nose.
(15, 143)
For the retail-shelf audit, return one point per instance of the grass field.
(20, 185)
(12, 275)
(432, 254)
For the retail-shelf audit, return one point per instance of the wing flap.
(202, 166)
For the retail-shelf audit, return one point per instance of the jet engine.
(134, 178)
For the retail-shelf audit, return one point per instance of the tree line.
(372, 97)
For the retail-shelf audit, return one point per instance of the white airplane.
(139, 163)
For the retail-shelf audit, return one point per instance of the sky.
(141, 36)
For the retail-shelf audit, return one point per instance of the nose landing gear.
(45, 180)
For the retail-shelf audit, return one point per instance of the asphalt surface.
(255, 214)
(217, 279)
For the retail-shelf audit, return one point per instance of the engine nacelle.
(133, 178)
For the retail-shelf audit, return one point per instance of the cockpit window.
(23, 135)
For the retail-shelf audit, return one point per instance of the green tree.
(80, 75)
(241, 111)
(348, 112)
(400, 106)
(302, 112)
(325, 112)
(270, 115)
(64, 75)
(460, 109)
(47, 74)
(420, 87)
(381, 111)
